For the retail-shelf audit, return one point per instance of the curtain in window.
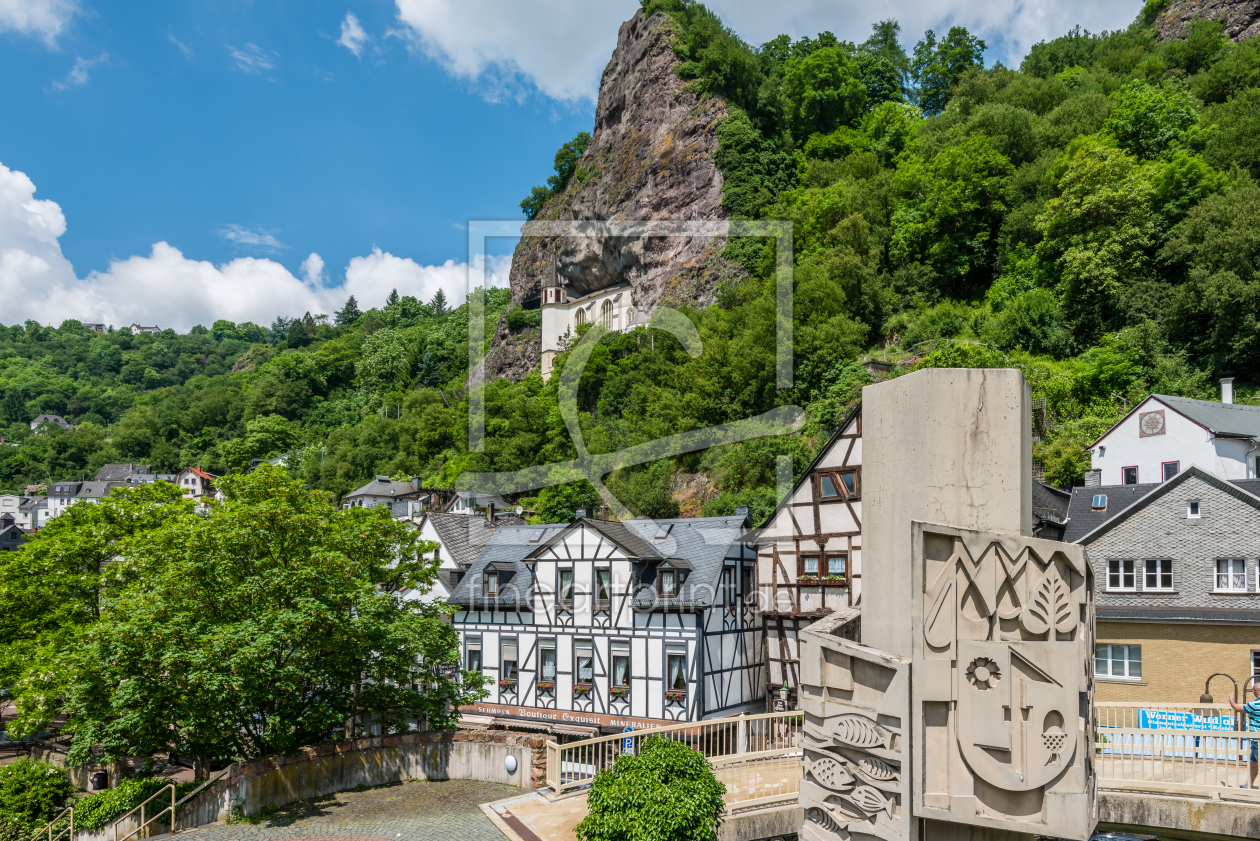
(677, 671)
(621, 669)
(549, 663)
(601, 584)
(566, 585)
(585, 664)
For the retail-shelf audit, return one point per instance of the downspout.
(1254, 443)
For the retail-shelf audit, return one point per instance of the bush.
(95, 811)
(666, 793)
(519, 319)
(31, 795)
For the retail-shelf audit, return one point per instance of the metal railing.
(69, 830)
(1194, 749)
(757, 757)
(141, 809)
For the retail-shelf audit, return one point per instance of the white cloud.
(313, 270)
(171, 290)
(43, 19)
(353, 38)
(252, 59)
(183, 48)
(251, 237)
(560, 47)
(78, 75)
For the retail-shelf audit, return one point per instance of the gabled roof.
(476, 499)
(1224, 420)
(96, 490)
(701, 544)
(383, 486)
(1137, 498)
(464, 537)
(197, 471)
(1050, 503)
(72, 486)
(120, 472)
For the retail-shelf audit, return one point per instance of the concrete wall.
(1178, 817)
(942, 445)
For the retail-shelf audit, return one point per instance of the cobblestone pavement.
(410, 811)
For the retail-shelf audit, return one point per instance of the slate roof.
(121, 472)
(1050, 503)
(382, 486)
(463, 537)
(96, 490)
(480, 500)
(701, 542)
(1223, 419)
(1084, 525)
(72, 489)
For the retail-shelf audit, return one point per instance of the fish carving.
(877, 769)
(830, 773)
(871, 800)
(858, 731)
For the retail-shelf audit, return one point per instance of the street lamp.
(1206, 698)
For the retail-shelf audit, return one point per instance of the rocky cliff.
(1241, 17)
(650, 158)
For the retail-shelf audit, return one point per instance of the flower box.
(508, 685)
(546, 686)
(581, 690)
(620, 692)
(812, 580)
(675, 697)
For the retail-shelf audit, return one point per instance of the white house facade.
(612, 307)
(809, 553)
(1164, 435)
(599, 625)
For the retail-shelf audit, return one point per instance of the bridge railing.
(757, 757)
(1195, 749)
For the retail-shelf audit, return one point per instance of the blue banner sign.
(1166, 720)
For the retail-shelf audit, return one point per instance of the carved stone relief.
(856, 705)
(1002, 686)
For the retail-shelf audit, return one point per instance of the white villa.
(612, 307)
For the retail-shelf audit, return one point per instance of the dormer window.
(490, 584)
(667, 583)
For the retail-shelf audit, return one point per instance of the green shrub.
(95, 811)
(519, 319)
(31, 795)
(665, 793)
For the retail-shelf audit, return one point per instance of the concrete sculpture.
(967, 713)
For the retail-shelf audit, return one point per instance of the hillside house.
(1176, 569)
(382, 490)
(596, 625)
(562, 314)
(61, 495)
(472, 503)
(140, 328)
(129, 473)
(195, 483)
(11, 535)
(44, 420)
(1163, 435)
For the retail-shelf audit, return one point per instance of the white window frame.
(1120, 574)
(1105, 652)
(1230, 575)
(1159, 573)
(1194, 509)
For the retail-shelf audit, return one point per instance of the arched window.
(579, 317)
(606, 315)
(629, 316)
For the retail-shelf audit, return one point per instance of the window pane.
(474, 657)
(1102, 655)
(1130, 574)
(566, 585)
(601, 584)
(827, 487)
(549, 664)
(810, 564)
(492, 582)
(621, 670)
(1130, 476)
(667, 581)
(1135, 661)
(835, 565)
(677, 671)
(585, 670)
(850, 482)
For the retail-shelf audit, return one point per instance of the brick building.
(1176, 571)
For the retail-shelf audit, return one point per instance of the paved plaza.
(410, 811)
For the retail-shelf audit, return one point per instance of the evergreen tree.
(349, 313)
(438, 304)
(392, 299)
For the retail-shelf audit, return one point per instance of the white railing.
(1195, 749)
(757, 757)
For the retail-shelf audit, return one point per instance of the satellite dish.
(519, 510)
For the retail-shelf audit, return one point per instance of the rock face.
(650, 158)
(1241, 17)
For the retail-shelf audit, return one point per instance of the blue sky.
(248, 136)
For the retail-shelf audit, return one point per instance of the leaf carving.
(1049, 606)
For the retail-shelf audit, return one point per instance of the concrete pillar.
(941, 445)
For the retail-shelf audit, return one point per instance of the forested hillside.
(1092, 218)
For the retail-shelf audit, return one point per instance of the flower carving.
(983, 673)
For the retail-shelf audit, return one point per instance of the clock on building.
(1151, 423)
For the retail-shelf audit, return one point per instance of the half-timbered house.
(601, 625)
(809, 554)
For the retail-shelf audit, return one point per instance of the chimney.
(582, 512)
(744, 511)
(489, 512)
(1093, 478)
(1227, 389)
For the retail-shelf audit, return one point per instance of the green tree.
(52, 591)
(825, 92)
(1149, 120)
(261, 626)
(438, 303)
(667, 792)
(936, 68)
(556, 504)
(349, 313)
(31, 794)
(383, 363)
